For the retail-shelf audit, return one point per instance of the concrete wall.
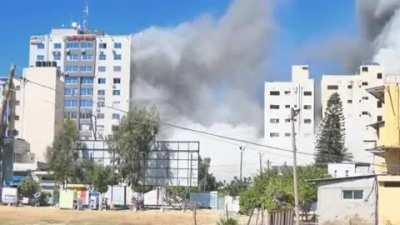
(334, 209)
(389, 198)
(40, 110)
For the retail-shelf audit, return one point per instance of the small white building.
(347, 200)
(280, 97)
(360, 109)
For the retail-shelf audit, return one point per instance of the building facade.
(98, 72)
(39, 108)
(360, 109)
(347, 200)
(280, 97)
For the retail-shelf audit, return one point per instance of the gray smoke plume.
(209, 69)
(380, 20)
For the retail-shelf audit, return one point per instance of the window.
(103, 45)
(86, 103)
(379, 104)
(287, 135)
(274, 120)
(86, 91)
(86, 45)
(287, 106)
(287, 92)
(101, 92)
(274, 106)
(307, 107)
(274, 134)
(379, 118)
(116, 92)
(365, 97)
(40, 58)
(350, 86)
(117, 56)
(379, 76)
(85, 69)
(100, 104)
(87, 80)
(71, 80)
(72, 45)
(364, 83)
(101, 69)
(70, 91)
(115, 116)
(307, 121)
(70, 103)
(17, 88)
(307, 93)
(17, 102)
(364, 113)
(364, 69)
(287, 120)
(352, 194)
(117, 68)
(102, 56)
(101, 80)
(71, 115)
(57, 57)
(40, 46)
(87, 57)
(57, 45)
(117, 80)
(100, 115)
(349, 101)
(16, 117)
(333, 87)
(274, 93)
(117, 45)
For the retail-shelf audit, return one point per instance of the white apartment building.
(98, 72)
(359, 107)
(280, 97)
(39, 107)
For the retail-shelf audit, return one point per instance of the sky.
(299, 23)
(300, 27)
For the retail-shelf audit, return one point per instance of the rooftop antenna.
(85, 24)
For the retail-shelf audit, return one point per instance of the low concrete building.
(347, 200)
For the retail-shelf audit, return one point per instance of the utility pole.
(4, 122)
(261, 162)
(293, 114)
(241, 148)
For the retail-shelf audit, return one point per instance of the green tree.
(102, 177)
(330, 140)
(273, 189)
(62, 156)
(236, 186)
(28, 187)
(207, 181)
(132, 141)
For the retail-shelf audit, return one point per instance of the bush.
(229, 221)
(44, 199)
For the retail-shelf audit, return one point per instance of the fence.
(263, 217)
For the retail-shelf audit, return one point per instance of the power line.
(213, 134)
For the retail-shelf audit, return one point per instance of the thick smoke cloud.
(209, 69)
(380, 20)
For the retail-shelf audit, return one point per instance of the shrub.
(229, 221)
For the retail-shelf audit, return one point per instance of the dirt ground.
(55, 216)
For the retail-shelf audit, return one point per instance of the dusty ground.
(54, 216)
